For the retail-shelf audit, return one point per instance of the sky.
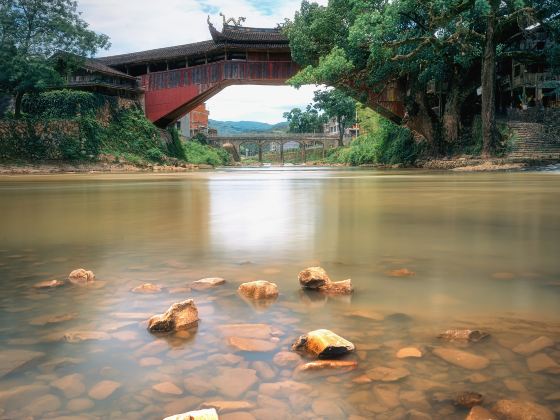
(137, 25)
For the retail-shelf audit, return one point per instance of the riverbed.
(426, 251)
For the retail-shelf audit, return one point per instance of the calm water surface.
(484, 250)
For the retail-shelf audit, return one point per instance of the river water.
(482, 251)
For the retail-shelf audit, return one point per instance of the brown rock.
(387, 395)
(80, 336)
(326, 367)
(53, 319)
(11, 360)
(206, 414)
(262, 331)
(81, 277)
(252, 344)
(238, 415)
(168, 388)
(479, 413)
(323, 344)
(313, 278)
(259, 289)
(284, 389)
(417, 415)
(408, 352)
(147, 288)
(286, 359)
(264, 370)
(42, 405)
(533, 346)
(72, 386)
(472, 336)
(521, 410)
(49, 284)
(362, 379)
(387, 374)
(370, 315)
(542, 362)
(150, 361)
(103, 390)
(228, 406)
(207, 283)
(234, 382)
(198, 385)
(327, 408)
(468, 399)
(179, 316)
(343, 287)
(79, 404)
(402, 272)
(461, 358)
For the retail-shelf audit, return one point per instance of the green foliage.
(175, 148)
(308, 121)
(337, 105)
(64, 103)
(200, 138)
(30, 33)
(201, 154)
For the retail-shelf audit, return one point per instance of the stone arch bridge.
(305, 141)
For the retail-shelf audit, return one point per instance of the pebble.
(408, 352)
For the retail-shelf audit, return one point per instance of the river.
(481, 250)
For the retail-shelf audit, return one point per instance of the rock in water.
(461, 358)
(313, 278)
(208, 283)
(208, 414)
(11, 360)
(326, 367)
(538, 344)
(179, 316)
(522, 410)
(259, 289)
(387, 374)
(147, 288)
(48, 284)
(407, 352)
(479, 413)
(343, 287)
(323, 344)
(468, 399)
(473, 336)
(81, 277)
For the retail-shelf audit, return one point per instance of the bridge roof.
(233, 37)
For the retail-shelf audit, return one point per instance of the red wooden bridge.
(177, 79)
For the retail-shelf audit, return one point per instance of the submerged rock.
(234, 382)
(286, 359)
(326, 367)
(538, 344)
(323, 344)
(542, 362)
(228, 406)
(207, 283)
(103, 390)
(407, 352)
(81, 277)
(252, 344)
(479, 413)
(179, 316)
(147, 288)
(387, 374)
(72, 385)
(48, 284)
(259, 289)
(402, 272)
(468, 399)
(168, 388)
(206, 414)
(522, 410)
(313, 278)
(11, 360)
(343, 287)
(473, 336)
(461, 358)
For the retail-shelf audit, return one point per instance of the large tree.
(304, 121)
(337, 105)
(31, 32)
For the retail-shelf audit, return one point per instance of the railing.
(80, 80)
(534, 79)
(219, 71)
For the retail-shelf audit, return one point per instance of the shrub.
(198, 153)
(64, 103)
(175, 148)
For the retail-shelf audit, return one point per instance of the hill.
(232, 128)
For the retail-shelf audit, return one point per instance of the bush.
(175, 148)
(198, 153)
(64, 103)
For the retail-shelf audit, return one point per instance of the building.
(332, 128)
(195, 122)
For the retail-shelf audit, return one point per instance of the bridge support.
(260, 152)
(303, 153)
(282, 152)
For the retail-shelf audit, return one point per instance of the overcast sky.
(136, 25)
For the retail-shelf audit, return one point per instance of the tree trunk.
(452, 112)
(422, 120)
(17, 104)
(489, 132)
(340, 132)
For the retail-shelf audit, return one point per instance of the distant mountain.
(232, 128)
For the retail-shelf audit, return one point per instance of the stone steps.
(530, 144)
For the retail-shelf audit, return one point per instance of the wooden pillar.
(260, 151)
(282, 152)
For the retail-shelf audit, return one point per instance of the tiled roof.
(247, 35)
(97, 66)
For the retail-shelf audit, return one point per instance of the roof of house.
(97, 66)
(247, 35)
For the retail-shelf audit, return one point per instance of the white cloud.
(136, 25)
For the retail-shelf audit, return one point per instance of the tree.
(31, 32)
(308, 121)
(337, 105)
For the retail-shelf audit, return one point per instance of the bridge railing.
(220, 71)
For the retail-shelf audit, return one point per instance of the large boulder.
(343, 287)
(313, 278)
(522, 410)
(81, 277)
(323, 344)
(179, 316)
(259, 289)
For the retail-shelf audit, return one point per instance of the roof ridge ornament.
(232, 20)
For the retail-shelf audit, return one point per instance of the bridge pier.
(260, 152)
(282, 152)
(303, 153)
